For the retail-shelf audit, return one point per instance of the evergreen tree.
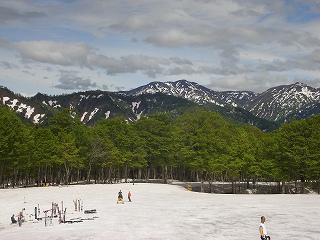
(13, 145)
(63, 125)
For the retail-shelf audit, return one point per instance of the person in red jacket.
(129, 196)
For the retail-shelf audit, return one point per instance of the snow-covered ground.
(159, 211)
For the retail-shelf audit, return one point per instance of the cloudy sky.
(64, 46)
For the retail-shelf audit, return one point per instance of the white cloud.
(70, 81)
(192, 39)
(241, 82)
(81, 54)
(12, 13)
(65, 54)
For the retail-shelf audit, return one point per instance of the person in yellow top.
(263, 229)
(120, 197)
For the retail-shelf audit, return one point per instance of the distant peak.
(300, 84)
(182, 80)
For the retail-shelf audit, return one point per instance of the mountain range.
(266, 110)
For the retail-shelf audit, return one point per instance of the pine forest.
(199, 146)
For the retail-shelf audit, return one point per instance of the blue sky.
(58, 47)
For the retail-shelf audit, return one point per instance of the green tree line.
(197, 146)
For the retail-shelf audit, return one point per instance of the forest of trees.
(197, 146)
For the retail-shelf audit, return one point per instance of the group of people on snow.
(120, 197)
(262, 228)
(20, 219)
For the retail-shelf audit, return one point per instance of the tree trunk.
(210, 186)
(13, 181)
(233, 186)
(45, 175)
(68, 171)
(147, 174)
(154, 173)
(59, 176)
(302, 187)
(202, 186)
(39, 177)
(102, 178)
(126, 171)
(78, 176)
(248, 185)
(89, 171)
(254, 180)
(1, 174)
(165, 174)
(283, 187)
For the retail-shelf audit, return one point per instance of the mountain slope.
(182, 88)
(278, 103)
(225, 103)
(275, 104)
(93, 105)
(266, 110)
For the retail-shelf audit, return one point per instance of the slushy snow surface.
(159, 211)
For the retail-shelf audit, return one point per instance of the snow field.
(159, 211)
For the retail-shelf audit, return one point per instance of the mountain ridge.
(266, 110)
(274, 104)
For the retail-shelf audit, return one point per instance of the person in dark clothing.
(13, 220)
(120, 197)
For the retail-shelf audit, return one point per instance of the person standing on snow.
(263, 229)
(129, 196)
(120, 197)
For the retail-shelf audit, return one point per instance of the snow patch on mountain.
(275, 104)
(135, 106)
(93, 113)
(107, 114)
(83, 116)
(38, 118)
(52, 103)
